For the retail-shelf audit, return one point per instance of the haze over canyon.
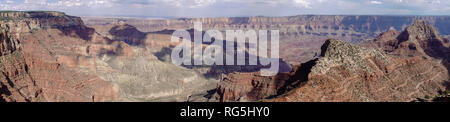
(48, 56)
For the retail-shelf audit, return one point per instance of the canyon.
(49, 56)
(302, 34)
(395, 67)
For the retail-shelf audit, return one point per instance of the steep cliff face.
(50, 56)
(302, 24)
(30, 73)
(420, 39)
(301, 36)
(67, 61)
(35, 20)
(24, 22)
(425, 39)
(346, 72)
(9, 53)
(368, 76)
(8, 43)
(245, 87)
(28, 78)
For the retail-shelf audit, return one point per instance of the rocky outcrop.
(8, 44)
(128, 34)
(27, 21)
(245, 87)
(301, 24)
(30, 78)
(50, 56)
(301, 36)
(425, 39)
(346, 72)
(32, 73)
(356, 74)
(68, 61)
(18, 22)
(419, 39)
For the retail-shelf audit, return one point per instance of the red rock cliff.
(351, 73)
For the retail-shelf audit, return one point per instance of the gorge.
(48, 56)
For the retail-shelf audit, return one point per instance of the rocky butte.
(396, 67)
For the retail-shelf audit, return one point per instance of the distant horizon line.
(193, 17)
(237, 16)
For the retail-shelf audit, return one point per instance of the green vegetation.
(446, 93)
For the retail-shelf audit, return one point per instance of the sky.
(231, 8)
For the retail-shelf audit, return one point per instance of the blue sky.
(217, 8)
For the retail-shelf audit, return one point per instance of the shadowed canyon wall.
(300, 36)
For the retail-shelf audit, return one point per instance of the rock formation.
(351, 73)
(50, 56)
(31, 78)
(301, 24)
(301, 36)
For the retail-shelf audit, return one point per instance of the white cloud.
(376, 2)
(286, 3)
(233, 7)
(302, 3)
(189, 3)
(42, 4)
(9, 2)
